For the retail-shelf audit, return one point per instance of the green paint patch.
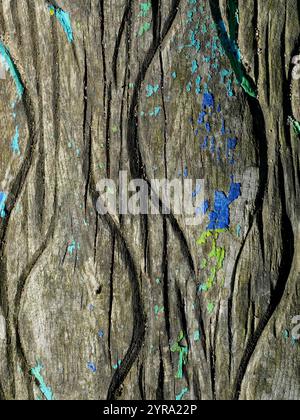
(144, 28)
(210, 308)
(215, 260)
(145, 9)
(178, 347)
(203, 263)
(296, 125)
(158, 311)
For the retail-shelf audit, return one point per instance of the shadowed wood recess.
(148, 306)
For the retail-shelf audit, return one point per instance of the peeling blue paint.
(220, 216)
(92, 367)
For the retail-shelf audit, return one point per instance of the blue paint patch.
(196, 191)
(15, 142)
(201, 117)
(65, 21)
(12, 69)
(101, 334)
(208, 101)
(205, 206)
(92, 367)
(220, 217)
(46, 391)
(231, 146)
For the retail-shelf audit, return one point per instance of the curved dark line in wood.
(119, 39)
(16, 190)
(262, 148)
(139, 318)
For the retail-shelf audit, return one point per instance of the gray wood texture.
(81, 291)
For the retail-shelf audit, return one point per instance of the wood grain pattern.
(85, 115)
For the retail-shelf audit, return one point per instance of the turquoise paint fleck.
(286, 334)
(117, 365)
(235, 58)
(12, 69)
(15, 142)
(145, 8)
(72, 247)
(183, 354)
(3, 199)
(156, 112)
(151, 90)
(158, 311)
(144, 28)
(189, 87)
(174, 75)
(46, 391)
(65, 21)
(182, 394)
(197, 336)
(195, 66)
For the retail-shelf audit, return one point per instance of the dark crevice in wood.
(162, 85)
(212, 360)
(287, 257)
(267, 51)
(87, 133)
(255, 42)
(142, 382)
(111, 296)
(161, 378)
(125, 18)
(165, 278)
(102, 29)
(139, 318)
(40, 192)
(107, 130)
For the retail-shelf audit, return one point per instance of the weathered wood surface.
(81, 119)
